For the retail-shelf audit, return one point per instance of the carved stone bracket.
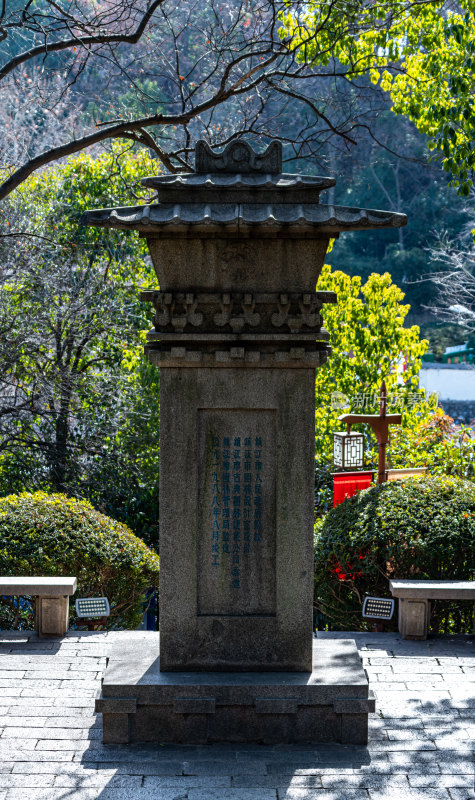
(248, 305)
(178, 310)
(213, 312)
(237, 321)
(282, 315)
(306, 314)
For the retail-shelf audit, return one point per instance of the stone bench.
(52, 600)
(414, 602)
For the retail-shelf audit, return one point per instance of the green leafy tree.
(436, 48)
(400, 179)
(422, 54)
(79, 410)
(51, 534)
(370, 343)
(215, 69)
(433, 441)
(413, 529)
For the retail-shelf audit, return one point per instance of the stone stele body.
(237, 247)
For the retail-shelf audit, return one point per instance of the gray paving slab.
(184, 782)
(396, 723)
(421, 737)
(412, 745)
(15, 781)
(22, 743)
(54, 768)
(57, 694)
(443, 781)
(368, 781)
(224, 768)
(458, 768)
(296, 793)
(164, 770)
(28, 722)
(45, 733)
(50, 794)
(163, 794)
(77, 721)
(279, 781)
(58, 674)
(13, 674)
(26, 709)
(31, 756)
(98, 781)
(232, 794)
(409, 794)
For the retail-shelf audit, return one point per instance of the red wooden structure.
(346, 484)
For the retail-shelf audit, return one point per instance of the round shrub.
(417, 528)
(52, 534)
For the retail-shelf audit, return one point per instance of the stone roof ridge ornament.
(238, 192)
(238, 157)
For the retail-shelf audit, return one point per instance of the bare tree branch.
(455, 283)
(83, 41)
(163, 74)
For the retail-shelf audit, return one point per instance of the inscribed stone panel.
(236, 512)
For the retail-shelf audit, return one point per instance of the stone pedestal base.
(141, 704)
(52, 615)
(414, 616)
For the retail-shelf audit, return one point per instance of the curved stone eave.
(273, 219)
(258, 181)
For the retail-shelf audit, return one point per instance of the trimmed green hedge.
(43, 534)
(421, 529)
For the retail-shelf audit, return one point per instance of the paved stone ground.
(421, 742)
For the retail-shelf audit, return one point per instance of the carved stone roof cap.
(238, 175)
(241, 190)
(283, 180)
(208, 187)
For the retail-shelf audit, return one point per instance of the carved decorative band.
(295, 357)
(238, 311)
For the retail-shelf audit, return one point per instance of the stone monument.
(237, 247)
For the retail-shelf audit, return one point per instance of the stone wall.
(462, 411)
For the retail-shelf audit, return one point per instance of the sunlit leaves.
(421, 54)
(397, 530)
(51, 534)
(369, 343)
(85, 412)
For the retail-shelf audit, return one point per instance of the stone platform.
(141, 704)
(421, 738)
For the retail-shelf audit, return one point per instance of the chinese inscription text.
(236, 500)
